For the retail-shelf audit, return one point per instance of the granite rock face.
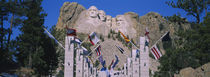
(74, 15)
(69, 13)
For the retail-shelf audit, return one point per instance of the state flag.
(120, 49)
(71, 32)
(166, 37)
(125, 38)
(116, 62)
(93, 38)
(98, 50)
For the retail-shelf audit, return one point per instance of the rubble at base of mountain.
(202, 71)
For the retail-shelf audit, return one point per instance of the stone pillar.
(129, 63)
(135, 61)
(125, 69)
(79, 63)
(86, 71)
(94, 72)
(90, 71)
(69, 57)
(144, 58)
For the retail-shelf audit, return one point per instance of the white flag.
(93, 38)
(156, 53)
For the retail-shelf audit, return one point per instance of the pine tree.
(36, 49)
(7, 47)
(192, 7)
(192, 50)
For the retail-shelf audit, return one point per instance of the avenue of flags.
(154, 50)
(95, 41)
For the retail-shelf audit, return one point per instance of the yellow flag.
(90, 59)
(125, 38)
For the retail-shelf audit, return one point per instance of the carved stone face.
(109, 20)
(93, 12)
(114, 23)
(120, 20)
(102, 15)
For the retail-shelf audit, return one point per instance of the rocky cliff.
(85, 21)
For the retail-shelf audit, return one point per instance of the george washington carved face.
(93, 12)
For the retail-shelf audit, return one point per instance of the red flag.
(98, 51)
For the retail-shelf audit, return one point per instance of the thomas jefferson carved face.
(120, 20)
(108, 20)
(102, 15)
(93, 12)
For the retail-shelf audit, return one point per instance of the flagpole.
(84, 40)
(159, 39)
(123, 53)
(54, 38)
(134, 45)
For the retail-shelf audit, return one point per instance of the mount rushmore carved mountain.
(93, 19)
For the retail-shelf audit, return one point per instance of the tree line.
(32, 49)
(191, 47)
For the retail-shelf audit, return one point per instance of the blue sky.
(113, 8)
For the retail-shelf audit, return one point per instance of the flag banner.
(90, 59)
(137, 53)
(77, 41)
(103, 69)
(155, 51)
(87, 61)
(71, 32)
(111, 64)
(146, 43)
(101, 60)
(120, 49)
(93, 38)
(98, 51)
(166, 37)
(125, 38)
(85, 51)
(147, 34)
(103, 63)
(116, 62)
